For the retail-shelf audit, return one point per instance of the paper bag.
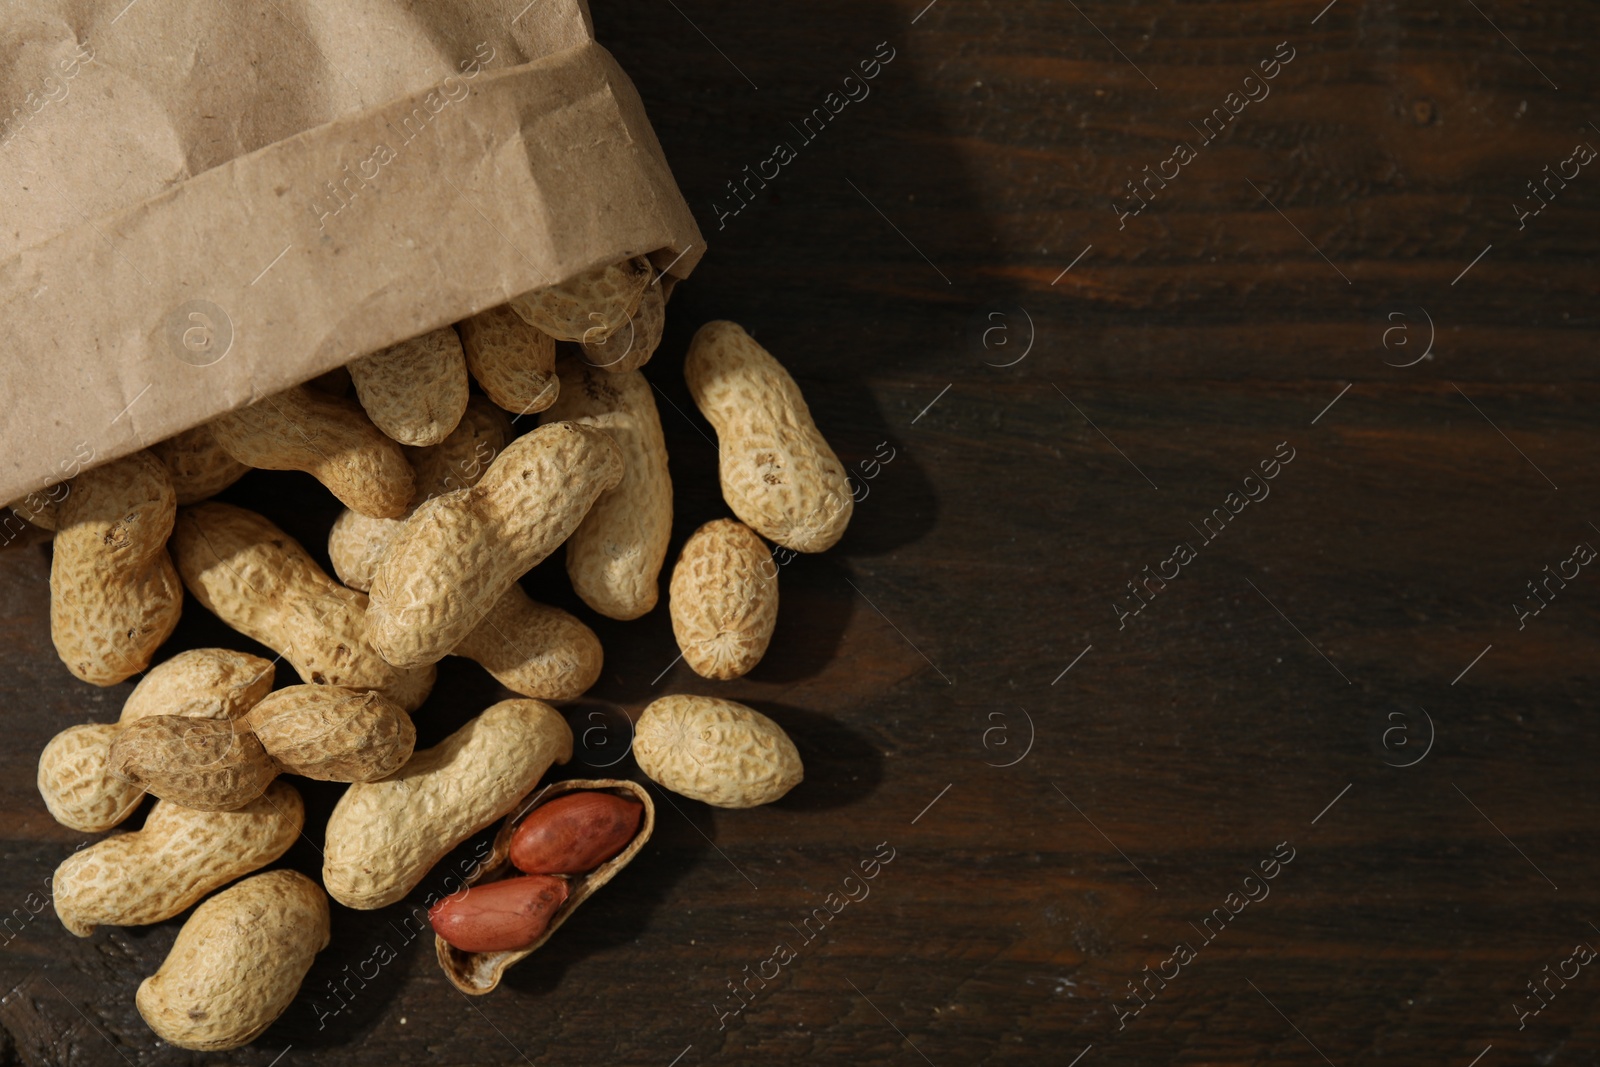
(207, 203)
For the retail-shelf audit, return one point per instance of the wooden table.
(1081, 783)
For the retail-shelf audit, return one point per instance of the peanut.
(723, 602)
(460, 552)
(778, 473)
(114, 595)
(333, 734)
(461, 459)
(534, 649)
(614, 557)
(415, 391)
(75, 784)
(237, 963)
(478, 972)
(574, 833)
(179, 856)
(530, 648)
(257, 579)
(330, 439)
(203, 683)
(383, 837)
(631, 348)
(199, 466)
(499, 917)
(325, 732)
(513, 362)
(355, 545)
(42, 509)
(590, 307)
(205, 764)
(715, 750)
(358, 541)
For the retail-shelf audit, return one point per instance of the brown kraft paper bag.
(207, 203)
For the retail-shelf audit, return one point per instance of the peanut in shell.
(205, 764)
(175, 859)
(590, 307)
(383, 837)
(513, 361)
(414, 391)
(778, 473)
(41, 509)
(614, 557)
(534, 649)
(76, 785)
(329, 438)
(114, 595)
(237, 963)
(714, 750)
(459, 553)
(258, 579)
(333, 734)
(724, 599)
(200, 467)
(357, 542)
(631, 347)
(74, 777)
(201, 683)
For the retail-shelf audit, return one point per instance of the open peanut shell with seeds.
(477, 973)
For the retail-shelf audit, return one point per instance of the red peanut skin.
(575, 833)
(501, 916)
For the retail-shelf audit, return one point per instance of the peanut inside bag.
(210, 203)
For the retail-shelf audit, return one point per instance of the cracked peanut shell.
(477, 973)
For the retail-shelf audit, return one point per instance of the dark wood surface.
(1056, 831)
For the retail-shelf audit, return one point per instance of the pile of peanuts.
(446, 511)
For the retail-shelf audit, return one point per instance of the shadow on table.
(841, 766)
(858, 262)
